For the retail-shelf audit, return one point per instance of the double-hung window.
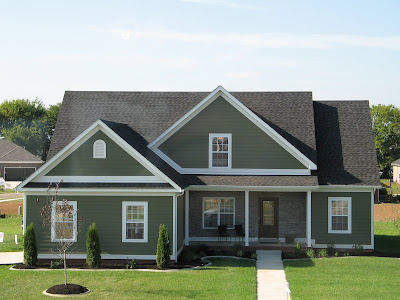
(220, 150)
(134, 221)
(339, 214)
(64, 221)
(218, 211)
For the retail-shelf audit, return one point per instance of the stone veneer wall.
(292, 212)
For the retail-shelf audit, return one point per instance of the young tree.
(163, 249)
(93, 250)
(30, 248)
(62, 218)
(386, 128)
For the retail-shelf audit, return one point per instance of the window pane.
(135, 213)
(339, 223)
(227, 219)
(64, 230)
(226, 205)
(225, 140)
(211, 206)
(210, 220)
(135, 231)
(268, 213)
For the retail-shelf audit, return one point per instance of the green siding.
(81, 161)
(251, 147)
(181, 221)
(361, 219)
(106, 211)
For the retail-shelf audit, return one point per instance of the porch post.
(246, 217)
(187, 217)
(308, 226)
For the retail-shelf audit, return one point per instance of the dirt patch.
(386, 211)
(67, 289)
(11, 207)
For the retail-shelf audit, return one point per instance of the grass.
(11, 225)
(395, 186)
(5, 191)
(387, 237)
(225, 279)
(344, 278)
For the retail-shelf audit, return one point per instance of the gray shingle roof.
(345, 143)
(11, 152)
(345, 147)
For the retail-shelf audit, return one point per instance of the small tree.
(58, 215)
(163, 250)
(93, 251)
(30, 249)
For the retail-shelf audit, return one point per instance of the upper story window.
(220, 153)
(339, 215)
(99, 149)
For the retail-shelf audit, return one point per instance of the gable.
(81, 162)
(252, 148)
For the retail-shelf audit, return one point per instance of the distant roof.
(11, 152)
(336, 135)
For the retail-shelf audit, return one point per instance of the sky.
(339, 50)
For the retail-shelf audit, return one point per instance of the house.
(16, 163)
(396, 170)
(277, 163)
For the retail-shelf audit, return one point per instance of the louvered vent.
(99, 149)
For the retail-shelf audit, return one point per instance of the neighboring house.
(16, 163)
(396, 170)
(277, 163)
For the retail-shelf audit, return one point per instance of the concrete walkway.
(271, 280)
(9, 258)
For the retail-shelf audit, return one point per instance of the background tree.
(29, 124)
(386, 127)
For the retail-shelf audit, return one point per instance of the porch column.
(187, 217)
(308, 226)
(246, 218)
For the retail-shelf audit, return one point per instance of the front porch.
(267, 218)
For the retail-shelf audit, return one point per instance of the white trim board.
(220, 91)
(83, 137)
(252, 188)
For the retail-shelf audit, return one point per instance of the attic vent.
(99, 149)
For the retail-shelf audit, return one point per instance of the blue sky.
(337, 49)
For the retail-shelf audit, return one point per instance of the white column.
(308, 226)
(372, 219)
(175, 235)
(187, 217)
(246, 217)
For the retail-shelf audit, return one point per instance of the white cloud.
(124, 34)
(224, 3)
(270, 40)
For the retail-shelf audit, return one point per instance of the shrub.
(130, 264)
(239, 253)
(54, 264)
(331, 249)
(30, 248)
(93, 251)
(163, 250)
(189, 255)
(297, 249)
(336, 254)
(358, 249)
(322, 253)
(310, 253)
(253, 255)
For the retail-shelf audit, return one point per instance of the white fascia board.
(229, 171)
(138, 179)
(252, 188)
(346, 188)
(21, 162)
(84, 136)
(104, 192)
(220, 91)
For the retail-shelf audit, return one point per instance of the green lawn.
(387, 238)
(5, 191)
(225, 279)
(395, 186)
(11, 225)
(344, 278)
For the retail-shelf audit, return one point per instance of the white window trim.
(146, 222)
(349, 228)
(210, 137)
(74, 204)
(104, 154)
(219, 213)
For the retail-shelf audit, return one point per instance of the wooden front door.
(268, 217)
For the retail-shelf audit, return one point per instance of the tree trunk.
(65, 268)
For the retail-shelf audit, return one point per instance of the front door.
(268, 220)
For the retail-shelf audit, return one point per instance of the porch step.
(268, 241)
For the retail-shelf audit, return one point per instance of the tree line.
(31, 124)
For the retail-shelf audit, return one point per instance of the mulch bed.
(68, 289)
(386, 211)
